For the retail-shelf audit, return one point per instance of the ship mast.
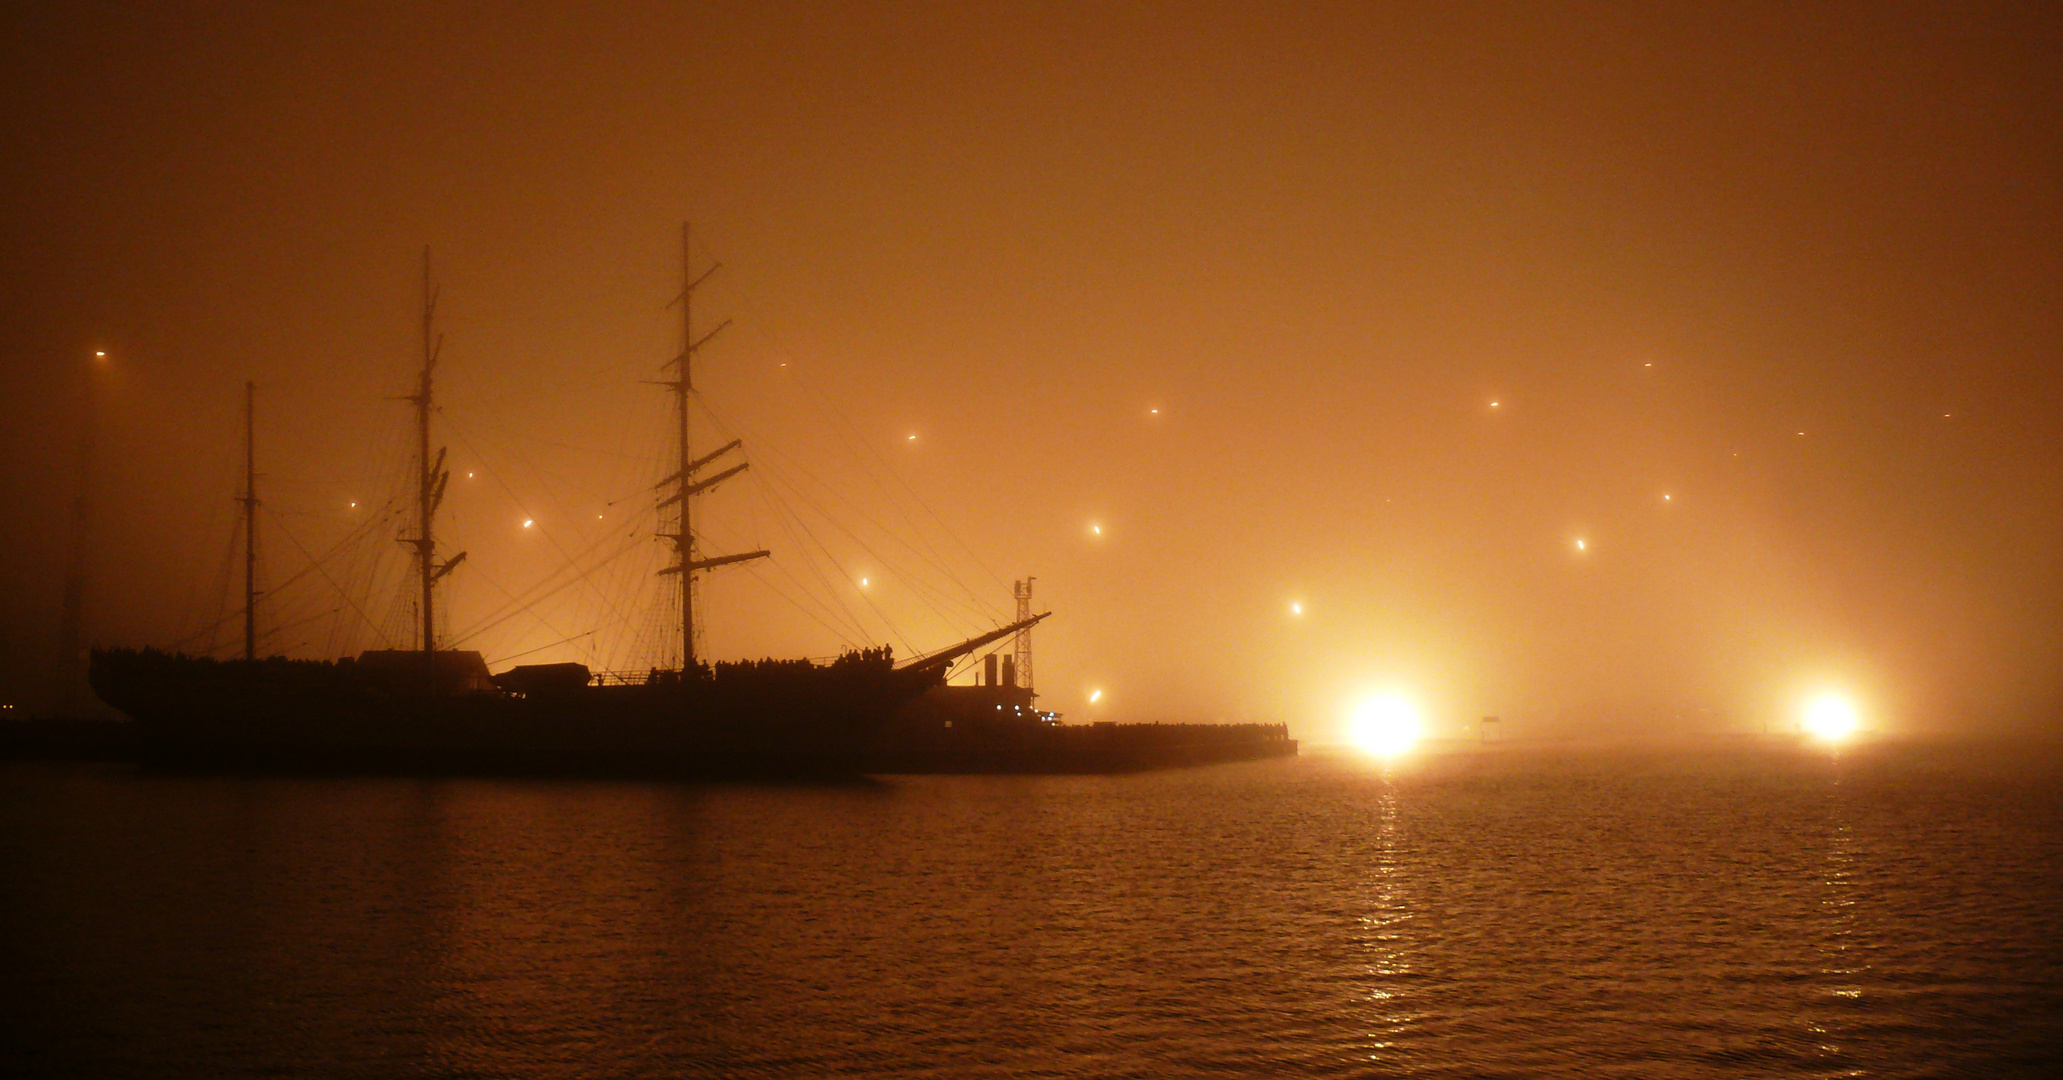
(684, 544)
(69, 677)
(430, 481)
(250, 501)
(683, 482)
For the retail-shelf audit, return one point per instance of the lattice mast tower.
(1023, 590)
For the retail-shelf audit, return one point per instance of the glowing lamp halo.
(1385, 725)
(1831, 718)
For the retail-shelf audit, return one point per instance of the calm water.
(1753, 913)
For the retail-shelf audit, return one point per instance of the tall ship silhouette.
(441, 710)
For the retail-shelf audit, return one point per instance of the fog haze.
(1374, 311)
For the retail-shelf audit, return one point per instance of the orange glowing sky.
(1582, 366)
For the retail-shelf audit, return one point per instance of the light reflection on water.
(1384, 931)
(1842, 950)
(1758, 912)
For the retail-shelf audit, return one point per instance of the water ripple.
(1756, 913)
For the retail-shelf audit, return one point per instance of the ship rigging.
(441, 709)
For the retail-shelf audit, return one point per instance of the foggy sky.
(1320, 240)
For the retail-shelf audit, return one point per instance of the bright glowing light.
(1385, 725)
(1295, 608)
(1096, 530)
(469, 476)
(1582, 546)
(1831, 718)
(912, 438)
(98, 355)
(1495, 404)
(863, 583)
(354, 506)
(1153, 412)
(527, 522)
(1665, 497)
(1095, 696)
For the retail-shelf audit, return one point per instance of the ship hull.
(311, 718)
